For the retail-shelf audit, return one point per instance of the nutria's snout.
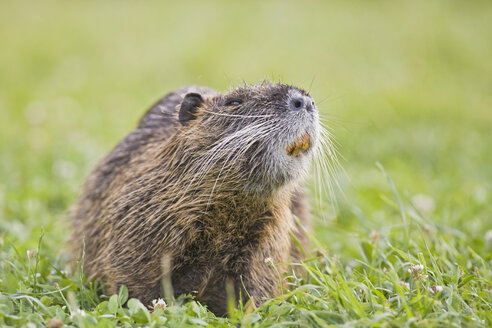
(298, 103)
(305, 117)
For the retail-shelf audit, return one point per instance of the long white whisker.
(237, 115)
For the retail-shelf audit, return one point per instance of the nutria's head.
(260, 137)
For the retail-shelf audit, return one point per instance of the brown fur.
(143, 202)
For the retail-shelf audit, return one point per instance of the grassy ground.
(404, 84)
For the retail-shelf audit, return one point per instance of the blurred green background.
(407, 84)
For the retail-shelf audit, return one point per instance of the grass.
(403, 84)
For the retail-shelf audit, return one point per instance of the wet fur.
(161, 192)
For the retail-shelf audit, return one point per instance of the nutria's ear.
(188, 107)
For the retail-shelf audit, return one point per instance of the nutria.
(209, 180)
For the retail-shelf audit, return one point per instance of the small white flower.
(77, 313)
(269, 260)
(373, 236)
(436, 289)
(417, 272)
(416, 269)
(30, 254)
(159, 304)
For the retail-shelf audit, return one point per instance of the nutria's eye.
(233, 102)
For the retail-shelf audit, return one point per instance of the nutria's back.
(208, 179)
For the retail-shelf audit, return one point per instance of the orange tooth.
(305, 144)
(304, 141)
(301, 143)
(298, 143)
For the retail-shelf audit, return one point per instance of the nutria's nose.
(301, 103)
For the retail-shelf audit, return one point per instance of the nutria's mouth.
(301, 144)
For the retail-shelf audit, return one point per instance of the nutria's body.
(209, 180)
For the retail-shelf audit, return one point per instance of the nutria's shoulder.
(157, 124)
